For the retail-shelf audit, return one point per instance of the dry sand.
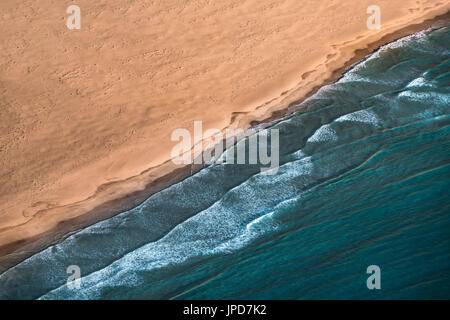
(86, 115)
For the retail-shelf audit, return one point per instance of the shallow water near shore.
(363, 180)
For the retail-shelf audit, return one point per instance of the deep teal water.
(364, 180)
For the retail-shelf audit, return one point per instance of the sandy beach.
(87, 115)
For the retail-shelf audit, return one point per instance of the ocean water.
(364, 180)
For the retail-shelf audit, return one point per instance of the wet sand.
(87, 114)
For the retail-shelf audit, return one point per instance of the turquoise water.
(364, 179)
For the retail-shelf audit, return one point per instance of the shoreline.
(359, 56)
(116, 197)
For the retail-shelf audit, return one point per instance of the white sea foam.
(324, 133)
(427, 97)
(418, 37)
(231, 223)
(363, 116)
(419, 82)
